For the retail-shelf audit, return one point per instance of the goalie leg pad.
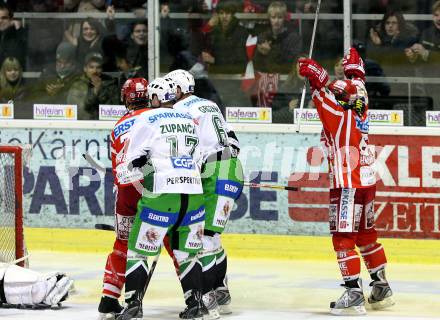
(29, 288)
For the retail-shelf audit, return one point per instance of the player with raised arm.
(343, 108)
(165, 145)
(222, 180)
(134, 96)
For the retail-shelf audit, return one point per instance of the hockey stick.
(107, 227)
(303, 93)
(93, 163)
(150, 274)
(270, 186)
(18, 260)
(104, 226)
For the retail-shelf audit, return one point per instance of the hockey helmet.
(351, 94)
(184, 79)
(164, 88)
(344, 90)
(134, 91)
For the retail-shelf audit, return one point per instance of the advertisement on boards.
(61, 189)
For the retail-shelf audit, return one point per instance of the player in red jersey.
(134, 96)
(343, 109)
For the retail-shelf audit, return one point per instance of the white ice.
(261, 289)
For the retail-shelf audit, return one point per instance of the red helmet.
(344, 90)
(134, 91)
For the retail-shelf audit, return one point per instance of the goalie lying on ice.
(20, 287)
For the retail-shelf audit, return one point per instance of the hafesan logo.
(69, 112)
(6, 111)
(395, 117)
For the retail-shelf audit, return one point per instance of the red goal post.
(11, 204)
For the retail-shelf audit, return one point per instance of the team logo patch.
(226, 209)
(228, 188)
(194, 216)
(183, 163)
(222, 211)
(364, 125)
(158, 218)
(152, 235)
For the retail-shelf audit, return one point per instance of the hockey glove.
(314, 72)
(353, 65)
(24, 287)
(359, 106)
(233, 144)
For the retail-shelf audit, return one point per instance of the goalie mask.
(184, 79)
(134, 92)
(164, 88)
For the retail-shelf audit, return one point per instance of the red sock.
(374, 257)
(114, 276)
(349, 264)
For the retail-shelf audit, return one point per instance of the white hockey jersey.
(212, 126)
(170, 139)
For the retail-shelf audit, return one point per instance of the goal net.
(11, 203)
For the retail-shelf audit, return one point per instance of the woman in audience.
(12, 88)
(89, 40)
(11, 80)
(388, 41)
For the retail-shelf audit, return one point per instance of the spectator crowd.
(241, 53)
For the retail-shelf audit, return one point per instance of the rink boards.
(241, 246)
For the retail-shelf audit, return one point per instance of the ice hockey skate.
(381, 294)
(108, 308)
(223, 299)
(210, 301)
(132, 311)
(351, 303)
(195, 308)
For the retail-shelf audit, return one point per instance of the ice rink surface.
(261, 289)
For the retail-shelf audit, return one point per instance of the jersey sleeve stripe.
(347, 147)
(338, 155)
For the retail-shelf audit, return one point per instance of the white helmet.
(164, 88)
(184, 79)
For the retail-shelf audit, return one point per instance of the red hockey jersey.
(345, 141)
(119, 136)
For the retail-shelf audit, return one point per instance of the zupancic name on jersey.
(179, 127)
(156, 217)
(206, 109)
(178, 180)
(168, 115)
